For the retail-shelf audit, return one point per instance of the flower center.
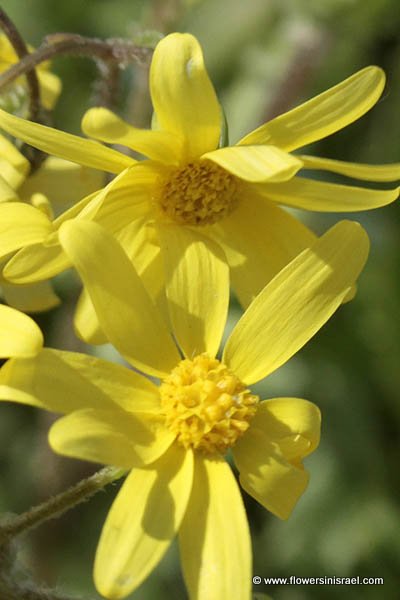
(206, 405)
(201, 193)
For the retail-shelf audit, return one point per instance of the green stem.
(57, 505)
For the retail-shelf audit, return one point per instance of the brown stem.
(119, 52)
(22, 52)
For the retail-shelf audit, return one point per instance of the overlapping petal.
(102, 124)
(197, 287)
(266, 475)
(214, 537)
(142, 522)
(292, 423)
(259, 239)
(256, 163)
(19, 335)
(324, 114)
(297, 303)
(36, 263)
(183, 96)
(20, 225)
(65, 145)
(64, 381)
(34, 297)
(112, 437)
(126, 313)
(63, 182)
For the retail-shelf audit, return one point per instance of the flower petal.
(67, 381)
(197, 285)
(388, 172)
(214, 537)
(266, 475)
(50, 87)
(20, 225)
(65, 145)
(297, 303)
(34, 297)
(142, 522)
(256, 163)
(126, 312)
(326, 197)
(183, 97)
(7, 193)
(259, 239)
(14, 167)
(291, 423)
(62, 182)
(323, 115)
(19, 334)
(36, 263)
(102, 124)
(86, 323)
(111, 437)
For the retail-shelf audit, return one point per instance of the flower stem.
(22, 52)
(57, 505)
(118, 51)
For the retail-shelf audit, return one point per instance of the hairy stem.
(118, 51)
(57, 505)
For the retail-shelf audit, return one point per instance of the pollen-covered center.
(201, 193)
(206, 405)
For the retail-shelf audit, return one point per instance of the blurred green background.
(264, 56)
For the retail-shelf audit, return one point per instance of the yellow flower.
(174, 437)
(229, 195)
(19, 335)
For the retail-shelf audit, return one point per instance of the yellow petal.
(34, 297)
(323, 115)
(183, 97)
(214, 537)
(259, 239)
(86, 323)
(50, 88)
(266, 475)
(126, 313)
(14, 167)
(256, 163)
(388, 172)
(19, 335)
(102, 124)
(292, 423)
(142, 522)
(36, 263)
(21, 225)
(112, 437)
(65, 145)
(297, 303)
(326, 197)
(7, 193)
(62, 182)
(197, 285)
(68, 381)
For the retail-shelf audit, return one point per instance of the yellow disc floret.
(201, 193)
(206, 405)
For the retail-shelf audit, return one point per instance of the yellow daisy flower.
(173, 437)
(232, 195)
